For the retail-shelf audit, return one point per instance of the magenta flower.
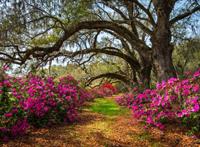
(186, 92)
(173, 99)
(8, 115)
(195, 88)
(196, 108)
(149, 120)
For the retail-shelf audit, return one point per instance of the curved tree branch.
(184, 15)
(110, 75)
(113, 51)
(40, 52)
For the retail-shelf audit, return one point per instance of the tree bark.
(161, 38)
(145, 76)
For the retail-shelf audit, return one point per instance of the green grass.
(108, 107)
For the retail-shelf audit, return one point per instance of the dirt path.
(104, 124)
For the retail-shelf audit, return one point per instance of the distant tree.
(186, 55)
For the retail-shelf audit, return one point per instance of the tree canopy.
(142, 33)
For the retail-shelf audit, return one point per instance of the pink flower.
(172, 80)
(149, 120)
(160, 126)
(195, 108)
(5, 67)
(46, 109)
(185, 82)
(134, 107)
(186, 92)
(196, 74)
(182, 113)
(8, 114)
(68, 98)
(167, 101)
(195, 88)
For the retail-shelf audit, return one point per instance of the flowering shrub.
(104, 90)
(127, 99)
(12, 118)
(173, 100)
(38, 102)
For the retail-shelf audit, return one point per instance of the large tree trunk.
(163, 61)
(162, 49)
(145, 76)
(146, 66)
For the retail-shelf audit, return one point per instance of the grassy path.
(103, 123)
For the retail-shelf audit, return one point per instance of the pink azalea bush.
(106, 89)
(173, 100)
(127, 98)
(38, 102)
